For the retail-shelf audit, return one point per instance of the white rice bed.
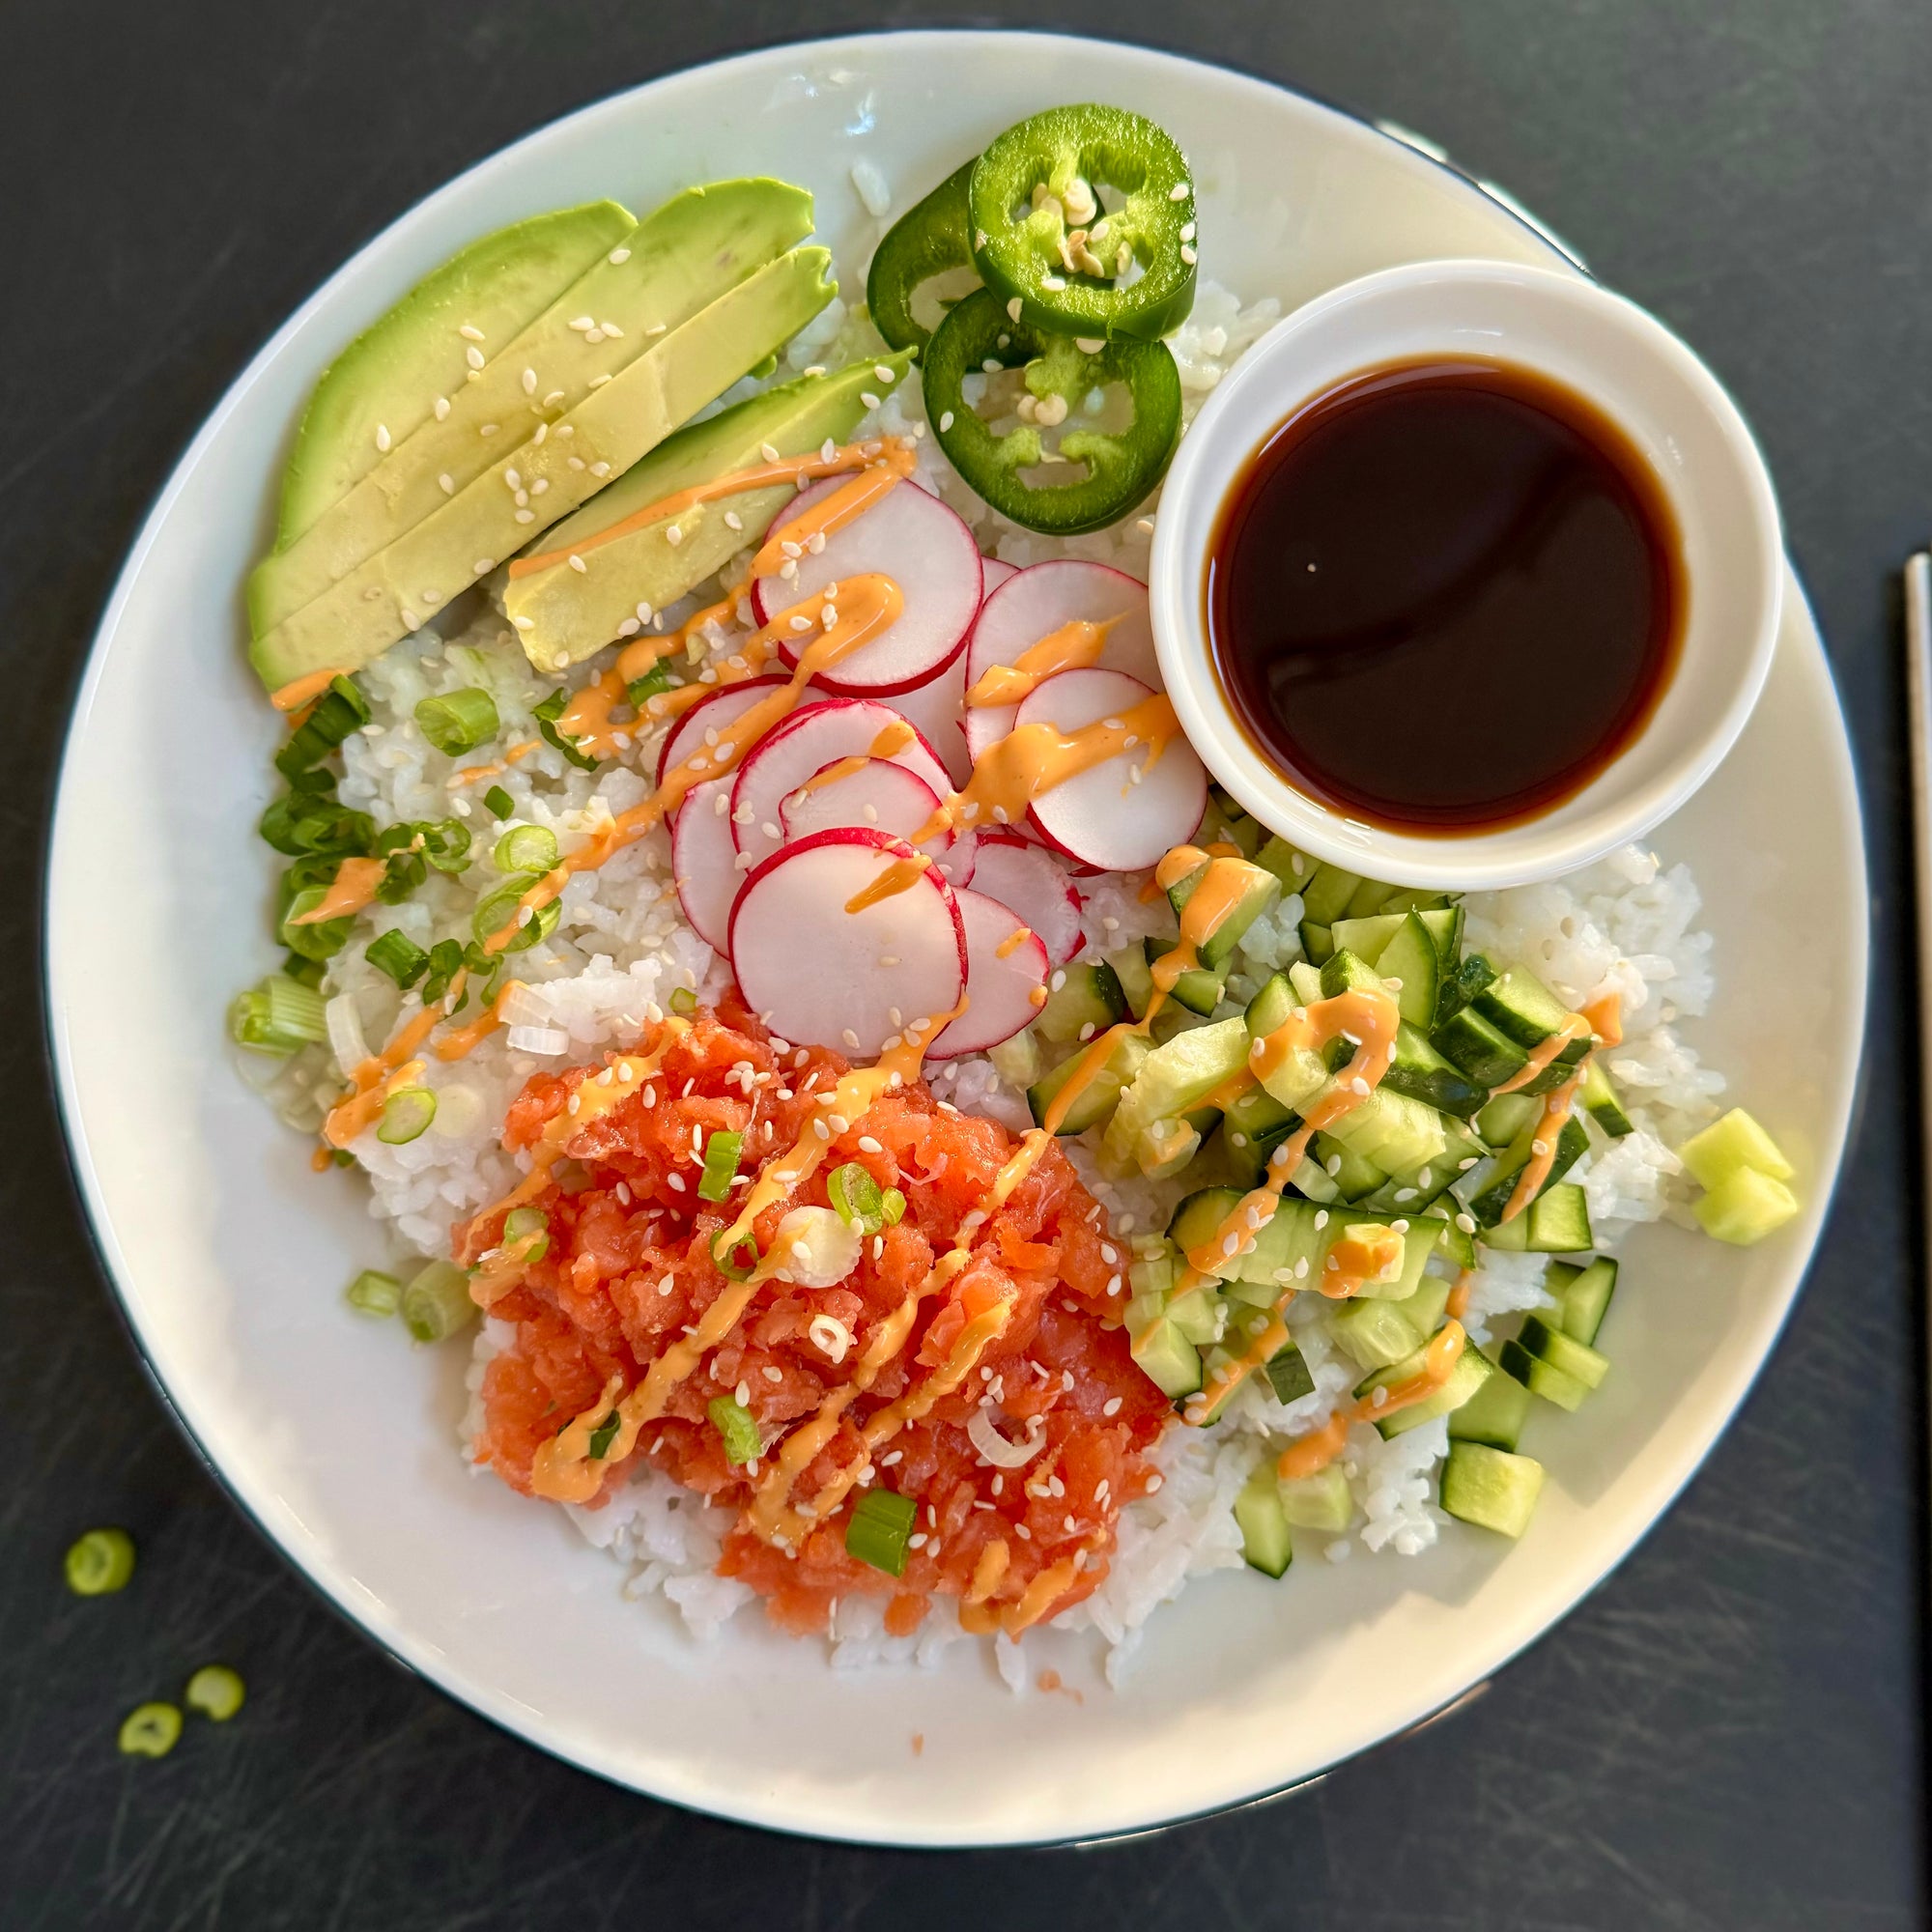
(621, 947)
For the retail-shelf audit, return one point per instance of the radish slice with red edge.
(821, 974)
(995, 570)
(928, 551)
(704, 862)
(1035, 602)
(1120, 814)
(1030, 883)
(862, 791)
(937, 707)
(712, 712)
(1006, 979)
(807, 742)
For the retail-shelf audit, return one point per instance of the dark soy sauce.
(1444, 595)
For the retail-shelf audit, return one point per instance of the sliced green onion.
(437, 1302)
(526, 848)
(683, 1001)
(604, 1435)
(397, 955)
(720, 1163)
(893, 1206)
(459, 721)
(303, 971)
(300, 822)
(733, 1422)
(654, 682)
(540, 924)
(498, 906)
(342, 1157)
(445, 843)
(878, 1529)
(341, 710)
(447, 959)
(313, 942)
(527, 1229)
(547, 714)
(498, 802)
(731, 1261)
(277, 1017)
(216, 1692)
(856, 1195)
(373, 1292)
(405, 1113)
(150, 1730)
(101, 1562)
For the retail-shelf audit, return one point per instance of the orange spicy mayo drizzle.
(306, 689)
(476, 774)
(1313, 1453)
(1601, 1018)
(353, 888)
(1073, 646)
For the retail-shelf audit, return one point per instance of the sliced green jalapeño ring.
(1044, 238)
(924, 241)
(1121, 466)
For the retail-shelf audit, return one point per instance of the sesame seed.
(447, 484)
(487, 429)
(577, 563)
(1178, 191)
(442, 409)
(850, 1039)
(733, 520)
(1187, 232)
(383, 437)
(1187, 255)
(527, 516)
(673, 535)
(600, 469)
(474, 356)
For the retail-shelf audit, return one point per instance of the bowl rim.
(1264, 388)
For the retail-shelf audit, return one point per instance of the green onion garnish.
(683, 1001)
(540, 924)
(856, 1195)
(720, 1163)
(733, 1422)
(101, 1562)
(313, 942)
(406, 1113)
(526, 848)
(277, 1017)
(459, 721)
(642, 689)
(731, 1261)
(527, 1229)
(603, 1436)
(300, 822)
(437, 1302)
(877, 1530)
(498, 906)
(893, 1204)
(150, 1730)
(547, 714)
(216, 1692)
(341, 710)
(498, 802)
(397, 955)
(373, 1292)
(303, 971)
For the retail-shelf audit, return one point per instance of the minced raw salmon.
(629, 1271)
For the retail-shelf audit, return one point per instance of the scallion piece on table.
(406, 1113)
(99, 1562)
(722, 1153)
(877, 1530)
(527, 1230)
(437, 1302)
(459, 721)
(526, 848)
(683, 1001)
(374, 1292)
(397, 955)
(150, 1730)
(498, 802)
(733, 1423)
(277, 1017)
(216, 1692)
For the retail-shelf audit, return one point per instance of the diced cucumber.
(1198, 989)
(1198, 1315)
(1424, 1075)
(1326, 893)
(1172, 1080)
(1316, 941)
(1599, 1098)
(1468, 1040)
(1290, 867)
(1264, 1540)
(1491, 1488)
(1745, 1206)
(1470, 1372)
(1253, 890)
(1258, 1114)
(1558, 1222)
(1462, 984)
(1198, 1218)
(1394, 1131)
(1454, 1243)
(1522, 1008)
(1315, 1183)
(1305, 978)
(1288, 1374)
(1369, 897)
(1582, 1295)
(1271, 1008)
(1562, 1351)
(1225, 822)
(1495, 1414)
(1168, 1360)
(1379, 1334)
(1321, 1501)
(1490, 1202)
(1544, 1378)
(1136, 981)
(1506, 1117)
(1366, 937)
(1355, 1176)
(1085, 999)
(1130, 1053)
(1412, 958)
(1017, 1061)
(1727, 1145)
(1415, 1187)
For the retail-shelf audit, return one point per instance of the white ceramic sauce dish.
(1676, 415)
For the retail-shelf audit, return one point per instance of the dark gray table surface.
(1726, 1735)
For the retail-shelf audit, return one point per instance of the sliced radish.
(1108, 816)
(996, 572)
(960, 860)
(937, 707)
(812, 738)
(929, 553)
(704, 862)
(824, 975)
(1035, 602)
(711, 713)
(1006, 978)
(1032, 886)
(862, 791)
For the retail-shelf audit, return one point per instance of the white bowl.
(1676, 415)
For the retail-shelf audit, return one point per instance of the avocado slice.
(678, 260)
(387, 382)
(394, 593)
(564, 615)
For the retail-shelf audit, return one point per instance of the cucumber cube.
(1493, 1415)
(1086, 999)
(1544, 1378)
(1168, 1360)
(1583, 1294)
(1321, 1501)
(1745, 1206)
(1563, 1351)
(1289, 1375)
(1736, 1141)
(1266, 1545)
(1491, 1488)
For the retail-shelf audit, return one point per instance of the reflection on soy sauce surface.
(1444, 595)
